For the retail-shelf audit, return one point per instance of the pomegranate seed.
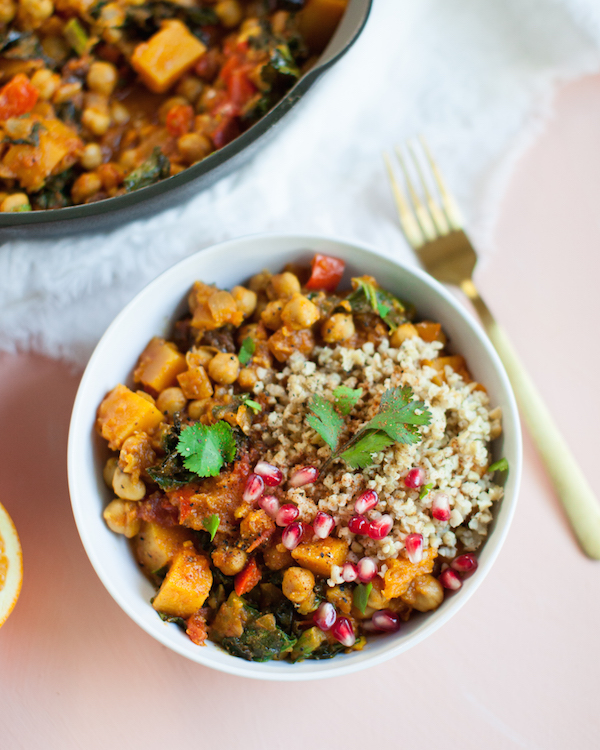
(323, 525)
(450, 580)
(254, 488)
(386, 620)
(465, 564)
(292, 535)
(324, 617)
(415, 478)
(305, 475)
(286, 514)
(380, 528)
(440, 507)
(414, 547)
(349, 572)
(271, 475)
(367, 501)
(342, 631)
(366, 569)
(358, 525)
(269, 504)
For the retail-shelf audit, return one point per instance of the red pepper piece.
(179, 120)
(247, 578)
(326, 273)
(18, 97)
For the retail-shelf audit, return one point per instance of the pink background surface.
(517, 667)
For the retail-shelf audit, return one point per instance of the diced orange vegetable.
(212, 308)
(284, 342)
(400, 572)
(180, 119)
(166, 56)
(456, 362)
(155, 546)
(318, 20)
(429, 331)
(18, 97)
(195, 383)
(31, 165)
(247, 578)
(319, 556)
(122, 413)
(196, 629)
(159, 365)
(186, 585)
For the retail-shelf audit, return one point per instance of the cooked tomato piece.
(240, 88)
(247, 578)
(18, 97)
(227, 129)
(180, 119)
(326, 273)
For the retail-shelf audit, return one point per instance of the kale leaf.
(155, 168)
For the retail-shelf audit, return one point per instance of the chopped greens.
(253, 405)
(261, 640)
(211, 524)
(156, 167)
(247, 350)
(75, 34)
(346, 398)
(368, 296)
(425, 490)
(501, 465)
(207, 448)
(361, 596)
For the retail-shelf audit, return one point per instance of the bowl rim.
(79, 432)
(211, 163)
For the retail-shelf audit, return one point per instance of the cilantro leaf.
(325, 420)
(211, 524)
(247, 350)
(346, 398)
(398, 416)
(501, 465)
(206, 448)
(254, 405)
(360, 454)
(368, 295)
(361, 596)
(425, 490)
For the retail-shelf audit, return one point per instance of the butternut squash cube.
(319, 556)
(155, 546)
(186, 585)
(122, 413)
(195, 383)
(400, 573)
(166, 56)
(159, 365)
(456, 362)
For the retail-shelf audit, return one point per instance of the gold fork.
(434, 228)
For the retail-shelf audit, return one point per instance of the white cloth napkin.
(476, 76)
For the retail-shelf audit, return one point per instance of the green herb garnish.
(361, 596)
(360, 455)
(247, 350)
(501, 465)
(325, 420)
(369, 296)
(254, 405)
(206, 448)
(75, 34)
(211, 524)
(346, 398)
(425, 490)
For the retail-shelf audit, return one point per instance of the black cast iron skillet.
(107, 214)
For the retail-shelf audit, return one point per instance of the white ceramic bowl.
(151, 313)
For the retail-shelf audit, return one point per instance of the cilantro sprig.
(346, 398)
(501, 465)
(207, 448)
(361, 596)
(211, 524)
(247, 350)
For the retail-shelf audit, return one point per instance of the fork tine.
(423, 216)
(409, 223)
(437, 214)
(450, 207)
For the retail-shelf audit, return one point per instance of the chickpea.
(339, 327)
(247, 378)
(102, 77)
(224, 368)
(95, 120)
(190, 88)
(285, 284)
(199, 407)
(33, 13)
(207, 99)
(171, 400)
(193, 147)
(245, 299)
(403, 332)
(85, 186)
(279, 21)
(300, 312)
(271, 315)
(229, 560)
(46, 82)
(298, 584)
(18, 127)
(121, 517)
(14, 203)
(424, 594)
(66, 92)
(8, 10)
(230, 13)
(91, 158)
(109, 471)
(200, 357)
(119, 114)
(129, 159)
(126, 488)
(260, 281)
(168, 105)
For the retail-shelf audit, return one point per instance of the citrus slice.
(11, 565)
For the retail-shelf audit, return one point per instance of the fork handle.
(573, 489)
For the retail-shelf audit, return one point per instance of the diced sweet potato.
(212, 308)
(429, 331)
(284, 342)
(319, 556)
(195, 383)
(155, 546)
(137, 454)
(159, 365)
(166, 56)
(400, 572)
(456, 362)
(318, 20)
(122, 413)
(255, 530)
(186, 585)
